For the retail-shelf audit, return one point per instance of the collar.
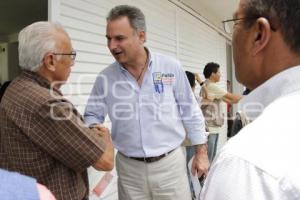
(281, 84)
(150, 58)
(43, 82)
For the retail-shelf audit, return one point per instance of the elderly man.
(42, 134)
(262, 161)
(151, 106)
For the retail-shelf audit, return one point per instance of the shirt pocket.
(165, 101)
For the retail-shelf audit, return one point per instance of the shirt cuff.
(197, 138)
(92, 120)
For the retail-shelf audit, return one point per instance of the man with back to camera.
(150, 104)
(42, 134)
(262, 161)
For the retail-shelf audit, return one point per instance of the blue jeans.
(212, 145)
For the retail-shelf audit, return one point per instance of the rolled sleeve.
(191, 114)
(93, 119)
(96, 108)
(197, 138)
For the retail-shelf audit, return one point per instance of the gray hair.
(35, 41)
(135, 16)
(282, 14)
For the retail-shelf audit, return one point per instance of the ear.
(49, 62)
(262, 35)
(142, 36)
(212, 76)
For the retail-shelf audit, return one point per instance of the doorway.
(3, 63)
(15, 15)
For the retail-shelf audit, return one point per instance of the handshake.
(106, 161)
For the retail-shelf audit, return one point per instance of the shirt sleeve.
(191, 114)
(215, 92)
(232, 178)
(14, 186)
(60, 131)
(96, 108)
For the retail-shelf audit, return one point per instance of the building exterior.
(173, 28)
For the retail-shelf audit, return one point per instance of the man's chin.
(119, 60)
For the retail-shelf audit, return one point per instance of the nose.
(111, 44)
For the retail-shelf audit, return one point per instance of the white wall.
(205, 10)
(171, 31)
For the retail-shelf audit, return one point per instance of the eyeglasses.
(229, 24)
(72, 54)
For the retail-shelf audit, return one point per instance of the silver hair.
(135, 16)
(35, 41)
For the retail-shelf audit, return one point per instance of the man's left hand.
(200, 163)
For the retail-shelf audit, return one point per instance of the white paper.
(195, 182)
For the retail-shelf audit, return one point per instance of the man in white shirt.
(151, 106)
(262, 161)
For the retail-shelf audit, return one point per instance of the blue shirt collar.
(150, 57)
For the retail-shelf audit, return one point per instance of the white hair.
(35, 41)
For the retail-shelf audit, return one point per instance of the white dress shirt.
(152, 119)
(262, 161)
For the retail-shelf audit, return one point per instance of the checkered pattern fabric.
(43, 136)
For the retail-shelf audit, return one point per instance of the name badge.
(157, 81)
